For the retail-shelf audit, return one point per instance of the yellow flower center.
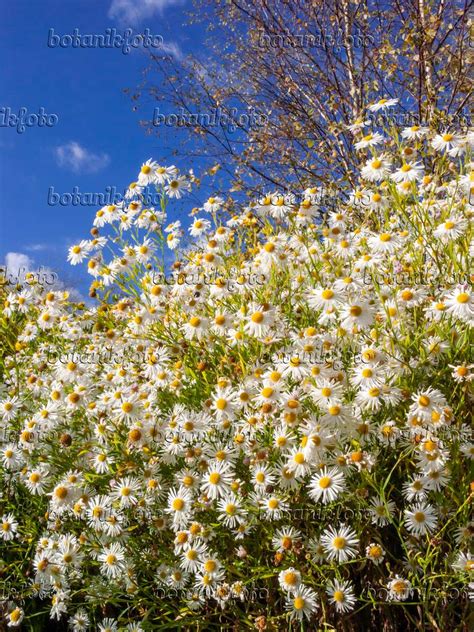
(221, 404)
(178, 504)
(61, 492)
(325, 482)
(257, 317)
(214, 478)
(15, 615)
(298, 603)
(338, 596)
(210, 566)
(291, 578)
(339, 542)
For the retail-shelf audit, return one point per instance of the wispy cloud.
(36, 247)
(135, 11)
(17, 264)
(172, 49)
(77, 158)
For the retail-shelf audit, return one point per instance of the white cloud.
(79, 159)
(173, 49)
(134, 11)
(36, 247)
(17, 264)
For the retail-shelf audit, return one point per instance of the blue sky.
(97, 140)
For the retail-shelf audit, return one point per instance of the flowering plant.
(273, 428)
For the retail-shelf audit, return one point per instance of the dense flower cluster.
(288, 411)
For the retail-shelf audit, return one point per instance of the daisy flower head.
(289, 579)
(9, 408)
(285, 539)
(358, 314)
(163, 175)
(451, 229)
(108, 625)
(445, 142)
(217, 480)
(408, 172)
(230, 511)
(382, 104)
(324, 297)
(370, 140)
(78, 252)
(384, 243)
(258, 321)
(358, 125)
(11, 456)
(341, 595)
(113, 560)
(180, 505)
(375, 553)
(147, 173)
(380, 511)
(36, 479)
(79, 621)
(302, 603)
(426, 403)
(177, 186)
(460, 304)
(199, 226)
(126, 491)
(298, 462)
(399, 589)
(421, 519)
(9, 527)
(376, 169)
(464, 562)
(415, 132)
(213, 204)
(326, 485)
(15, 617)
(196, 327)
(340, 543)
